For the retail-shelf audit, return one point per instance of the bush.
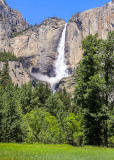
(111, 141)
(41, 126)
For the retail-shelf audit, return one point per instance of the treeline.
(33, 114)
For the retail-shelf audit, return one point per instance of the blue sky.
(35, 11)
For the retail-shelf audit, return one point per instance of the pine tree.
(4, 77)
(55, 107)
(11, 115)
(65, 98)
(43, 93)
(88, 91)
(25, 97)
(108, 73)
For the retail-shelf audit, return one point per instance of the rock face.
(38, 45)
(98, 20)
(68, 83)
(11, 21)
(17, 73)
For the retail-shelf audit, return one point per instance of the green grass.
(6, 56)
(53, 152)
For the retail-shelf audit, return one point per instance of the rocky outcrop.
(18, 75)
(38, 46)
(11, 22)
(13, 17)
(68, 83)
(98, 20)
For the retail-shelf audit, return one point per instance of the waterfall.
(61, 69)
(60, 66)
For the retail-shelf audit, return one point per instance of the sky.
(35, 11)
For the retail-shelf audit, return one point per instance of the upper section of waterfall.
(61, 69)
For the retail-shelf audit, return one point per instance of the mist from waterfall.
(60, 66)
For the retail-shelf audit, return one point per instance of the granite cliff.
(37, 45)
(17, 73)
(98, 20)
(11, 22)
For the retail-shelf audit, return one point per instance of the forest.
(34, 114)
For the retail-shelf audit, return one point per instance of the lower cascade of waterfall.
(60, 66)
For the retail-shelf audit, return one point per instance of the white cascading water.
(60, 66)
(61, 69)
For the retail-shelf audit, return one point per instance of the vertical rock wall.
(98, 20)
(18, 75)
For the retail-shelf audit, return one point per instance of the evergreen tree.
(88, 90)
(56, 107)
(1, 93)
(65, 98)
(4, 77)
(43, 93)
(25, 97)
(35, 102)
(11, 115)
(108, 73)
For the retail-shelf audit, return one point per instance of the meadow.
(15, 151)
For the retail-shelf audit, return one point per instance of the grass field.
(53, 152)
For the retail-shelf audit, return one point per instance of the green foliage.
(31, 114)
(94, 111)
(31, 98)
(15, 33)
(25, 97)
(107, 55)
(110, 127)
(34, 100)
(65, 98)
(7, 56)
(11, 115)
(111, 141)
(72, 129)
(34, 114)
(41, 127)
(88, 66)
(4, 76)
(43, 92)
(55, 106)
(88, 90)
(94, 78)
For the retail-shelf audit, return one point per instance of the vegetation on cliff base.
(95, 88)
(7, 56)
(35, 115)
